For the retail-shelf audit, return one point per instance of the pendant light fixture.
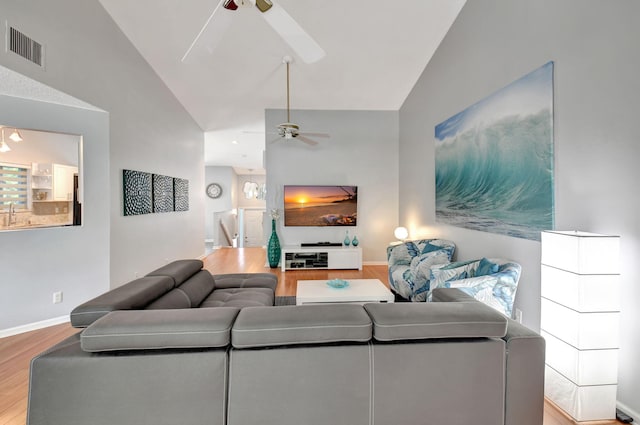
(15, 136)
(3, 145)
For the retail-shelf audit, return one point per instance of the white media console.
(321, 257)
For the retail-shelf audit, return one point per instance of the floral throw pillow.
(452, 271)
(486, 267)
(421, 267)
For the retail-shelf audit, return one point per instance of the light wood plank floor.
(17, 351)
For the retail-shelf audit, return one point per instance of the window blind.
(13, 186)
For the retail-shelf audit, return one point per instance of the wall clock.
(214, 191)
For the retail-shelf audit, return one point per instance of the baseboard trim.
(33, 326)
(629, 411)
(374, 263)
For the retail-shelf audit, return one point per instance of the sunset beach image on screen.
(320, 205)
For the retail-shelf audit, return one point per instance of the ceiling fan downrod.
(288, 106)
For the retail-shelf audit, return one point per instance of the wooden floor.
(15, 354)
(17, 351)
(253, 260)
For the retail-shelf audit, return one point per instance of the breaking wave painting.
(494, 161)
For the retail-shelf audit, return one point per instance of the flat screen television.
(320, 205)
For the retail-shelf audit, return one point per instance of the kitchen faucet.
(12, 214)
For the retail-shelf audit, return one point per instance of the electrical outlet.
(518, 315)
(57, 297)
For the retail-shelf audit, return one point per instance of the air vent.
(25, 46)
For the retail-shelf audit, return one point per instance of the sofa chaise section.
(182, 284)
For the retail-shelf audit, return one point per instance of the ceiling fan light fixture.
(230, 5)
(264, 5)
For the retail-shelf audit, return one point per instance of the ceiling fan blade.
(210, 35)
(315, 134)
(293, 34)
(306, 140)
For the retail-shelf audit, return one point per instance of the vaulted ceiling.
(375, 52)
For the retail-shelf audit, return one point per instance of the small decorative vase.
(346, 240)
(355, 241)
(273, 247)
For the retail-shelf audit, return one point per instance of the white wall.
(89, 58)
(362, 151)
(228, 180)
(597, 63)
(44, 147)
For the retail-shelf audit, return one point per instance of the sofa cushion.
(198, 287)
(452, 271)
(190, 294)
(156, 329)
(176, 298)
(179, 270)
(497, 290)
(304, 324)
(239, 297)
(408, 321)
(246, 280)
(134, 295)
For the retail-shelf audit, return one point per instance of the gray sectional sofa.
(452, 361)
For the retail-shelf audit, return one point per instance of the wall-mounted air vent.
(25, 46)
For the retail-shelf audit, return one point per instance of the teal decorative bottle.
(273, 247)
(346, 240)
(355, 241)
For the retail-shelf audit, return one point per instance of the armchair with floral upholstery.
(493, 281)
(410, 262)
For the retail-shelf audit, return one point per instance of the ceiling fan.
(289, 130)
(282, 23)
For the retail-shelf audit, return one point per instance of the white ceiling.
(375, 52)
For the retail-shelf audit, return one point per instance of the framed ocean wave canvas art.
(494, 161)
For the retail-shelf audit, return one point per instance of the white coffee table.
(358, 291)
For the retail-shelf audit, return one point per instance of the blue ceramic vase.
(346, 240)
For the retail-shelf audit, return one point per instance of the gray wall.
(362, 151)
(89, 58)
(594, 45)
(75, 260)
